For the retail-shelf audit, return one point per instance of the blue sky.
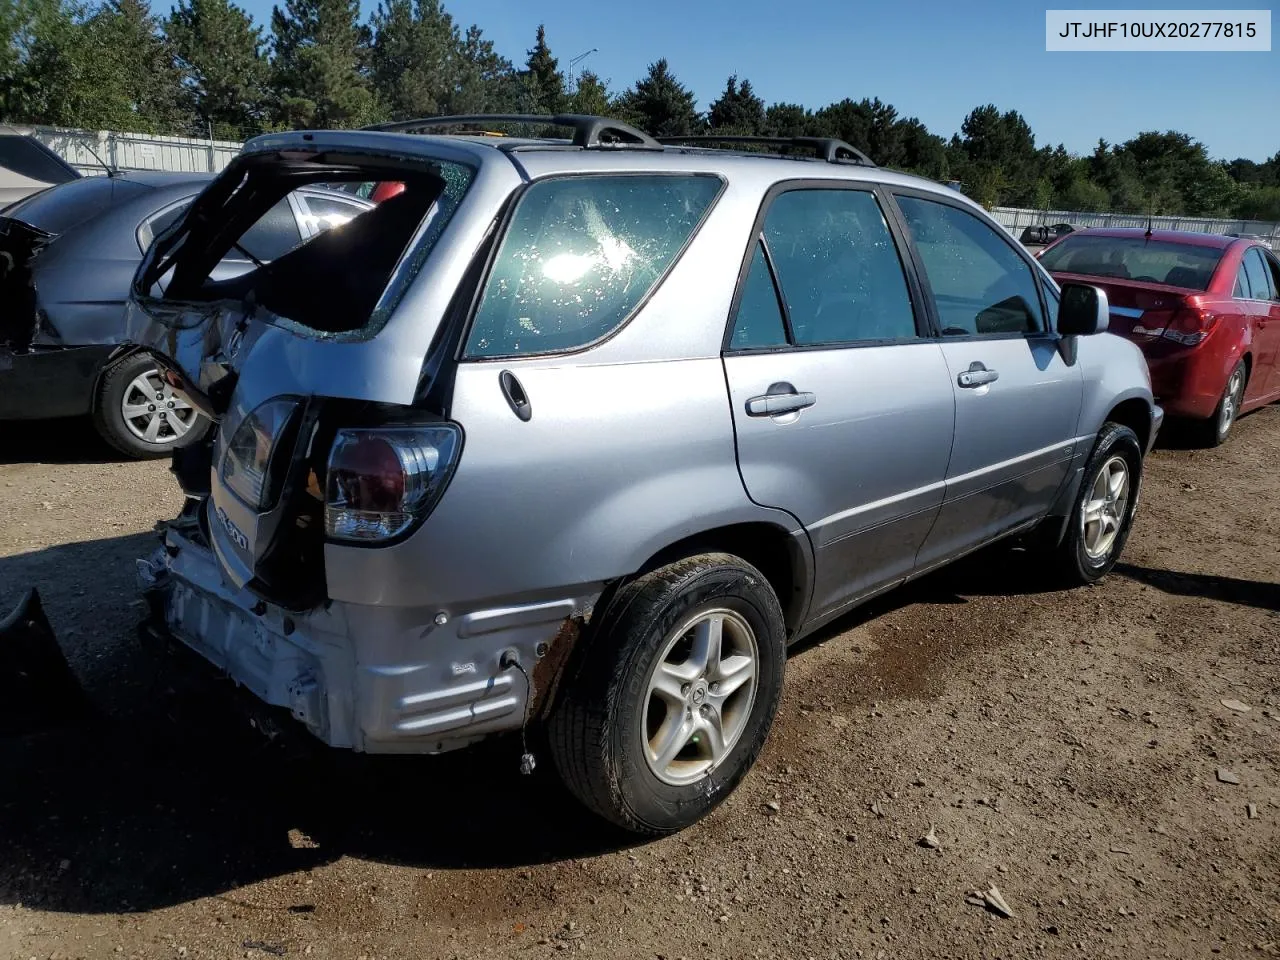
(934, 59)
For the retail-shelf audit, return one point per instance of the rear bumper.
(49, 381)
(374, 679)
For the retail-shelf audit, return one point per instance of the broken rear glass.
(342, 282)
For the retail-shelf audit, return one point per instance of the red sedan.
(1205, 309)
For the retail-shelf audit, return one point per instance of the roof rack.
(825, 148)
(588, 131)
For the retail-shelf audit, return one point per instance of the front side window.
(838, 268)
(579, 256)
(980, 284)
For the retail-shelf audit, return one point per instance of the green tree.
(485, 82)
(737, 111)
(923, 152)
(543, 82)
(999, 149)
(105, 67)
(1084, 196)
(321, 51)
(591, 96)
(413, 58)
(787, 120)
(660, 104)
(1256, 202)
(223, 54)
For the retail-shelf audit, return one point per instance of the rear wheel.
(1103, 513)
(1215, 430)
(674, 695)
(139, 414)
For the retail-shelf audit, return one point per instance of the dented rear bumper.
(369, 678)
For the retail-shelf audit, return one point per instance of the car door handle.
(781, 398)
(977, 376)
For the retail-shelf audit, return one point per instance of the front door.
(1017, 397)
(843, 409)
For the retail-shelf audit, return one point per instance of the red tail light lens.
(382, 480)
(1190, 325)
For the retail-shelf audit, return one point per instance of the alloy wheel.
(1104, 509)
(699, 696)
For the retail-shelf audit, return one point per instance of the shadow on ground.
(64, 440)
(168, 794)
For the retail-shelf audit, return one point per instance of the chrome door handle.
(781, 398)
(977, 376)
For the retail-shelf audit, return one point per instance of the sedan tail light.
(1191, 324)
(382, 481)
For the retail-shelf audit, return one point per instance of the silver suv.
(580, 434)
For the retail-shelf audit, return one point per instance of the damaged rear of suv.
(514, 446)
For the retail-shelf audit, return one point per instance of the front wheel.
(1103, 513)
(674, 695)
(139, 414)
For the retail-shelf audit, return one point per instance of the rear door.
(1017, 399)
(841, 400)
(1256, 286)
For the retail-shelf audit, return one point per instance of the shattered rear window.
(580, 255)
(342, 282)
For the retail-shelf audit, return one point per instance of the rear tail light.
(255, 461)
(1190, 324)
(381, 481)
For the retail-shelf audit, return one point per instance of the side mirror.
(1083, 310)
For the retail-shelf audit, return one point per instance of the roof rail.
(588, 131)
(825, 148)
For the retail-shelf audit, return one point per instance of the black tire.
(1214, 431)
(595, 732)
(109, 420)
(1072, 559)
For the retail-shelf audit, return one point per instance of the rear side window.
(580, 255)
(272, 236)
(980, 285)
(1255, 268)
(838, 268)
(758, 324)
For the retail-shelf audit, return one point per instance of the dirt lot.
(1064, 746)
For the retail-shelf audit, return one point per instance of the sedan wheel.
(1229, 409)
(152, 412)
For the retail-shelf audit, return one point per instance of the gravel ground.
(1068, 748)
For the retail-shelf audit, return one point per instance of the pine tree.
(738, 111)
(543, 82)
(321, 51)
(660, 104)
(223, 54)
(413, 58)
(591, 96)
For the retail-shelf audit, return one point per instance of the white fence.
(135, 151)
(1015, 220)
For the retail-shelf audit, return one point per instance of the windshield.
(1134, 258)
